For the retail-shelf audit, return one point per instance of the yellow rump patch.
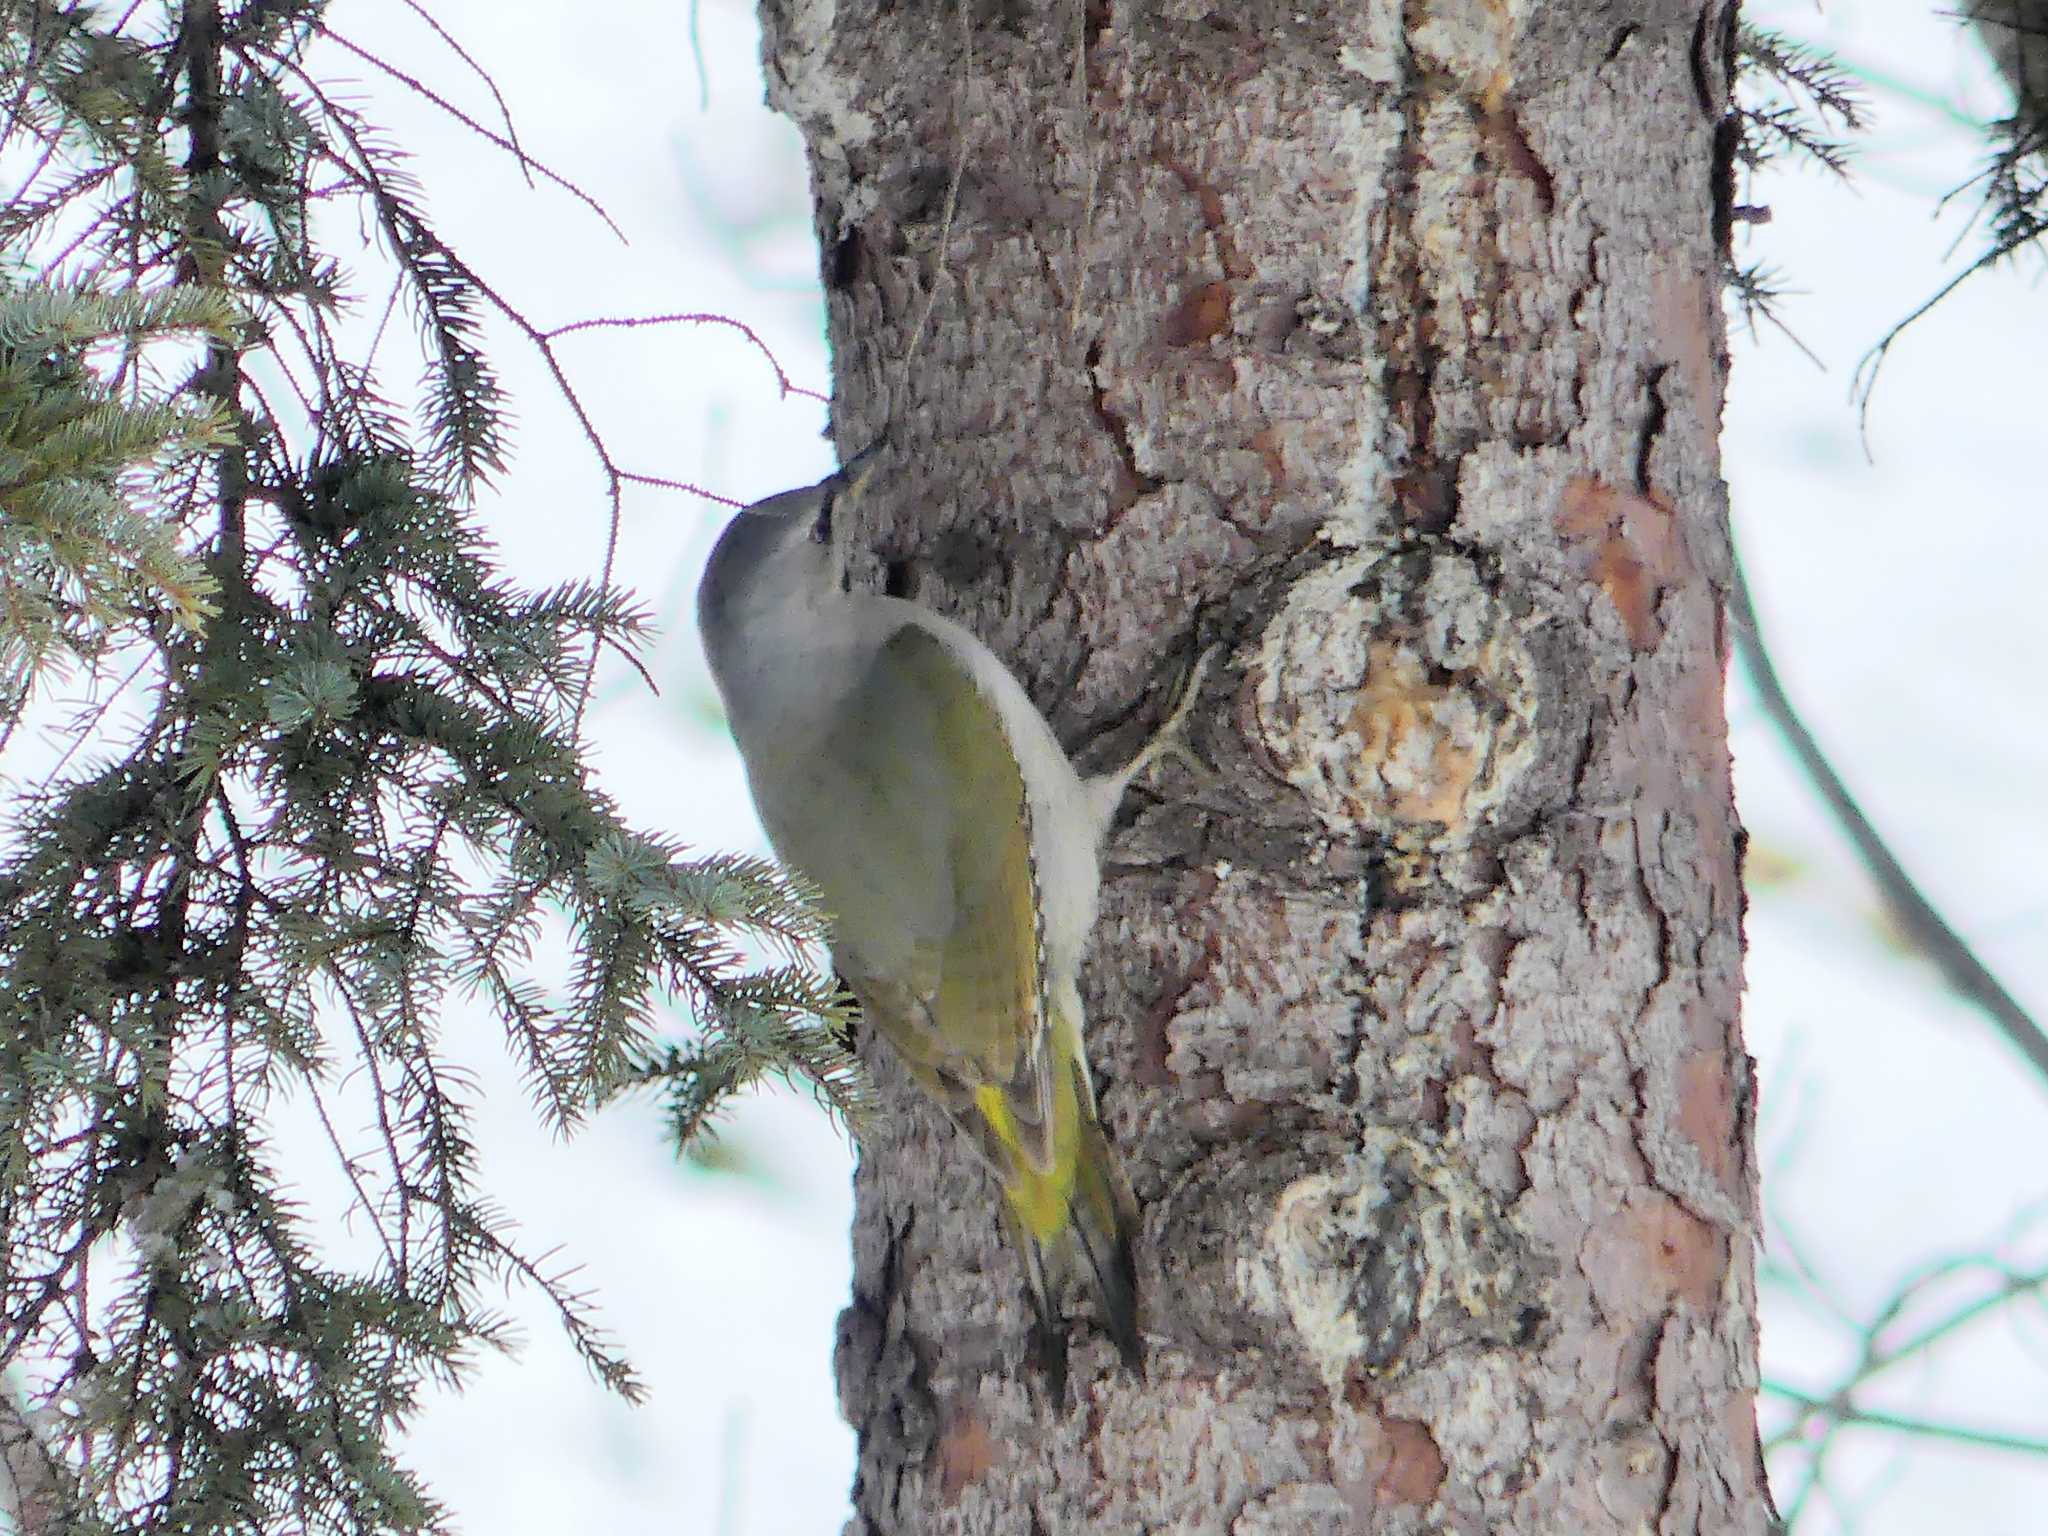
(1040, 1200)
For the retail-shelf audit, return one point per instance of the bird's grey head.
(777, 552)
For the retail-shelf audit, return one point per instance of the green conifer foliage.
(351, 793)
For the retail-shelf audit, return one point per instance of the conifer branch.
(352, 786)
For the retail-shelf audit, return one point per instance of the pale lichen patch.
(1475, 45)
(1485, 1436)
(1377, 51)
(1632, 1470)
(1295, 1509)
(806, 84)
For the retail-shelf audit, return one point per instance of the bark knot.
(1391, 1241)
(1396, 695)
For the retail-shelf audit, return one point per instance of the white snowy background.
(1900, 576)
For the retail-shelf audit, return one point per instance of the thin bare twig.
(1923, 925)
(462, 53)
(1844, 1414)
(694, 317)
(527, 164)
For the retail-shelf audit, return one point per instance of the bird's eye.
(821, 530)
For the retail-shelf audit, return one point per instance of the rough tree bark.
(2015, 34)
(1382, 343)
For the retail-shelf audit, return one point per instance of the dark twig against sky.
(1922, 923)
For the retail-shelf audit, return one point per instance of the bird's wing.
(968, 1011)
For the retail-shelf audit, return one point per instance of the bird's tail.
(1074, 1219)
(1101, 1228)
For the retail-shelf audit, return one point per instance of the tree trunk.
(2015, 34)
(1383, 346)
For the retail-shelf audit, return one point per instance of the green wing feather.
(991, 1005)
(969, 1007)
(968, 1011)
